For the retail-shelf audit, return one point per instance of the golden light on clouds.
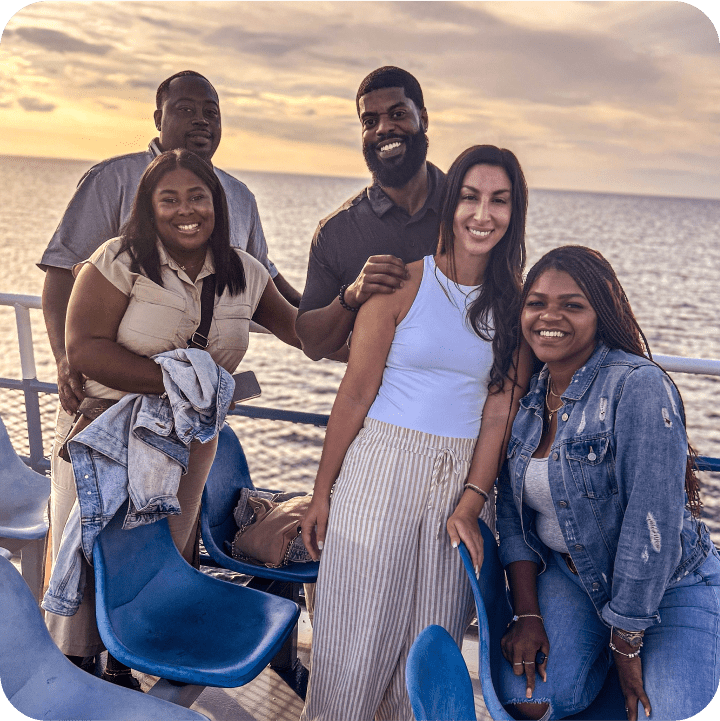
(574, 88)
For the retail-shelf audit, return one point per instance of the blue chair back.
(228, 475)
(159, 615)
(437, 678)
(493, 613)
(41, 683)
(24, 495)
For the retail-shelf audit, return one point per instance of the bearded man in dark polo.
(362, 247)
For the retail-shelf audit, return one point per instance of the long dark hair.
(617, 326)
(499, 296)
(139, 235)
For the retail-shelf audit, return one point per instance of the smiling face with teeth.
(482, 215)
(184, 215)
(559, 322)
(394, 136)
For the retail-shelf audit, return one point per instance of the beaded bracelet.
(478, 490)
(341, 296)
(622, 653)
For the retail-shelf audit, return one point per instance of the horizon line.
(366, 178)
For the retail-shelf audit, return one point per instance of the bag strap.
(199, 339)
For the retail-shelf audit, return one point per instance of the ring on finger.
(527, 663)
(518, 663)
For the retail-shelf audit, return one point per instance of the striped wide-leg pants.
(387, 570)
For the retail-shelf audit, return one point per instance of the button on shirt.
(103, 200)
(369, 224)
(162, 318)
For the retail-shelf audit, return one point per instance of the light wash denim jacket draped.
(617, 478)
(137, 450)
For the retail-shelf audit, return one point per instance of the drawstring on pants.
(445, 470)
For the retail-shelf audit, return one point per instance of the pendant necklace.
(551, 411)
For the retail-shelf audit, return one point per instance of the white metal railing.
(32, 387)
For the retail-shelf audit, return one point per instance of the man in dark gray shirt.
(362, 247)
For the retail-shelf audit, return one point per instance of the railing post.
(29, 378)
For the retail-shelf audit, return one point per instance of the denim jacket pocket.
(592, 465)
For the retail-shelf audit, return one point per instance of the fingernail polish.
(477, 573)
(528, 693)
(454, 544)
(320, 545)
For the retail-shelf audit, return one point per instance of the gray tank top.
(536, 495)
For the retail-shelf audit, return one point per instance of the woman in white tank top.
(414, 444)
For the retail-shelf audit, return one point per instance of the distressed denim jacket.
(617, 478)
(136, 450)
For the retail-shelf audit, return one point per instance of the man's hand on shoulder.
(380, 274)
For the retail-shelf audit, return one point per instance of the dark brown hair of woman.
(499, 297)
(139, 236)
(617, 327)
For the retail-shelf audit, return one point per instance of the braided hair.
(617, 326)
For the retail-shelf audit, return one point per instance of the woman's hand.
(314, 526)
(463, 526)
(631, 681)
(520, 646)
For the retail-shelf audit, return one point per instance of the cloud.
(500, 59)
(165, 24)
(60, 42)
(265, 44)
(35, 105)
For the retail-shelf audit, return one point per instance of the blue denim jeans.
(680, 656)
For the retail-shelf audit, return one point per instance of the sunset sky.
(609, 96)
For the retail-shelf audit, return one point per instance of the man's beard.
(391, 175)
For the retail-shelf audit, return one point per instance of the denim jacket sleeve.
(650, 460)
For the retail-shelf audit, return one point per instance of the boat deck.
(269, 698)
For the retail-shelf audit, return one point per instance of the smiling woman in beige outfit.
(139, 295)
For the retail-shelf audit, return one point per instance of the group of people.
(461, 378)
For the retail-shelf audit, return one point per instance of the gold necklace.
(551, 411)
(550, 386)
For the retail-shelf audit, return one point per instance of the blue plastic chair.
(159, 615)
(437, 678)
(493, 612)
(24, 496)
(42, 684)
(228, 475)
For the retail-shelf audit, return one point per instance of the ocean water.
(664, 250)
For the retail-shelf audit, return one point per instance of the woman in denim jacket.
(597, 513)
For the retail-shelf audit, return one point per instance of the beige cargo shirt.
(159, 319)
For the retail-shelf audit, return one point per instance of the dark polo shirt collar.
(381, 203)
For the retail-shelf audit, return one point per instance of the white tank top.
(437, 371)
